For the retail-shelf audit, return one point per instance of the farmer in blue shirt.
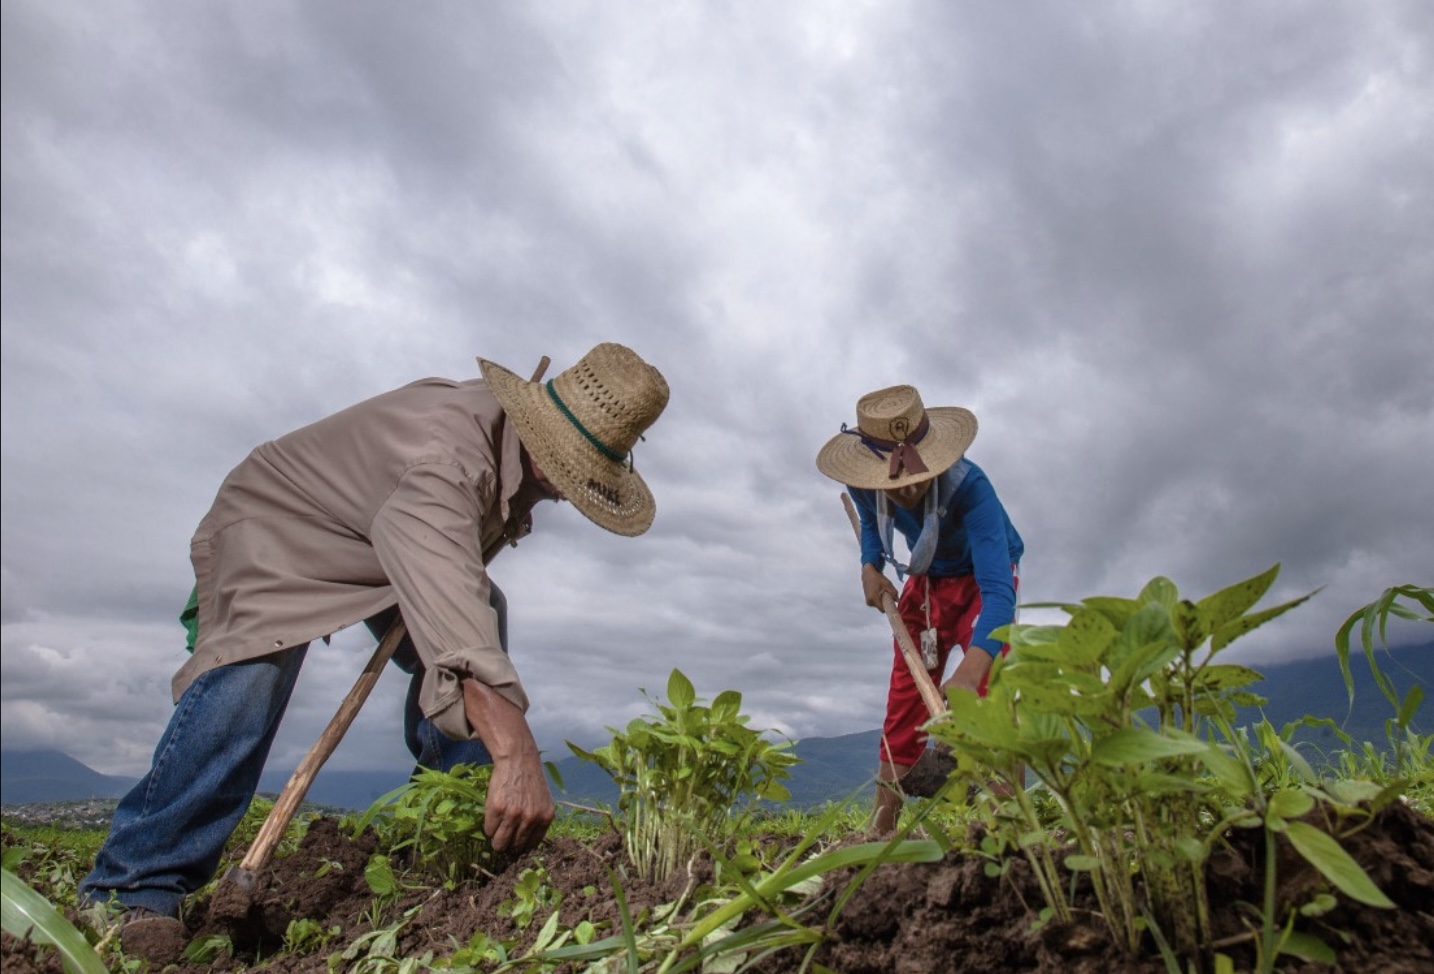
(905, 468)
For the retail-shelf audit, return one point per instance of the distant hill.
(831, 768)
(1315, 688)
(50, 776)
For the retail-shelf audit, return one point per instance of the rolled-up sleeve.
(427, 539)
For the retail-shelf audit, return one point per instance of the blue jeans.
(169, 832)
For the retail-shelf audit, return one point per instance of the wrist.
(499, 723)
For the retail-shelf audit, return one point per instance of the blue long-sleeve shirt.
(977, 538)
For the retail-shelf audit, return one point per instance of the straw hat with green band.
(581, 427)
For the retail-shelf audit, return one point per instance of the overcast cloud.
(1178, 259)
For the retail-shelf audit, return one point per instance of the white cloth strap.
(938, 502)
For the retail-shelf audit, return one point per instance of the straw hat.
(580, 427)
(897, 441)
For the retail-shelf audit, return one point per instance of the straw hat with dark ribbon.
(897, 441)
(581, 426)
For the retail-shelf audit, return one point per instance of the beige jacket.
(402, 498)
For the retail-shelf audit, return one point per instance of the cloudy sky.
(1178, 259)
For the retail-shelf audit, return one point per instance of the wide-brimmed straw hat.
(580, 427)
(897, 441)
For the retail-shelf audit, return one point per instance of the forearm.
(499, 723)
(519, 806)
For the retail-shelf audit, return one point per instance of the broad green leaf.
(1224, 677)
(1085, 638)
(1328, 856)
(1144, 632)
(1082, 864)
(1139, 663)
(25, 913)
(378, 873)
(1232, 602)
(1236, 628)
(680, 690)
(1114, 609)
(1186, 619)
(1062, 701)
(1136, 745)
(970, 718)
(1042, 651)
(775, 791)
(1350, 792)
(1021, 635)
(1308, 947)
(1233, 774)
(1290, 803)
(1161, 591)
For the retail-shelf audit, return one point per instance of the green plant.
(1266, 784)
(205, 950)
(51, 860)
(1119, 716)
(1375, 617)
(305, 936)
(438, 817)
(374, 951)
(688, 775)
(531, 894)
(24, 913)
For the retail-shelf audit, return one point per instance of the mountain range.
(831, 769)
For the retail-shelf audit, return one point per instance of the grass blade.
(25, 912)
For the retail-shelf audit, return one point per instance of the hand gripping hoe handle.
(935, 703)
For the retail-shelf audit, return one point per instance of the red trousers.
(955, 604)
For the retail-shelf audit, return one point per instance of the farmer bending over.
(905, 468)
(391, 508)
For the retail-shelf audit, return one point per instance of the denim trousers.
(168, 834)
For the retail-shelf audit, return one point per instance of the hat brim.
(848, 461)
(610, 494)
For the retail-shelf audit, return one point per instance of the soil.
(902, 919)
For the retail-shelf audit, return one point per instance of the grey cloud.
(1178, 262)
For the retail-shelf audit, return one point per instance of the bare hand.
(520, 806)
(875, 585)
(973, 666)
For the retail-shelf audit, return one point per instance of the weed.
(689, 774)
(305, 936)
(438, 818)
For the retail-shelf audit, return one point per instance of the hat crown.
(891, 414)
(613, 395)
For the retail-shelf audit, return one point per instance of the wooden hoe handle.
(293, 794)
(935, 703)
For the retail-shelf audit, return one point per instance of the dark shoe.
(155, 937)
